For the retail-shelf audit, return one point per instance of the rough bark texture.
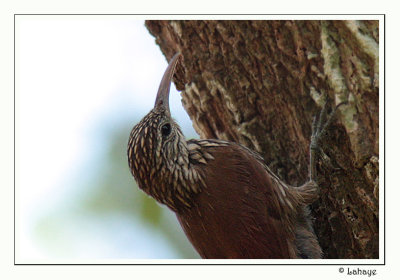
(260, 83)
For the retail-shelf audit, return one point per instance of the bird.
(227, 200)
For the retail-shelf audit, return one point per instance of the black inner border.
(384, 132)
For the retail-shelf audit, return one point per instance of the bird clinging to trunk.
(227, 200)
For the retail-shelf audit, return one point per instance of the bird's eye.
(166, 129)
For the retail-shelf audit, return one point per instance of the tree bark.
(260, 83)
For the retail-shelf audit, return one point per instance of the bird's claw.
(320, 125)
(319, 128)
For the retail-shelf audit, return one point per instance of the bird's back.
(243, 215)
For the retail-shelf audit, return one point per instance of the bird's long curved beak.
(162, 99)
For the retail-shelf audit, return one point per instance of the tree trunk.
(260, 83)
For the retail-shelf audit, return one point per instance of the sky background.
(82, 83)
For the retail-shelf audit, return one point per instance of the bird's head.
(156, 145)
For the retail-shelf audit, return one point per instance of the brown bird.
(227, 200)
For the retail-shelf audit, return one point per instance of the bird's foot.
(319, 128)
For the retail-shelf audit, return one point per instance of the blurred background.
(82, 83)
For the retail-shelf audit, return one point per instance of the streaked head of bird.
(157, 148)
